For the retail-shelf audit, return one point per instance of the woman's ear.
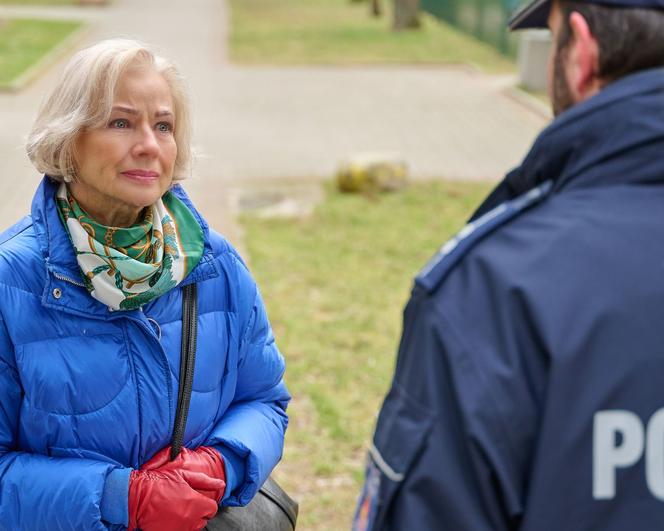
(582, 60)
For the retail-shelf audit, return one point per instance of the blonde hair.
(83, 98)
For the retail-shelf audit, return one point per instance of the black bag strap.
(187, 363)
(270, 489)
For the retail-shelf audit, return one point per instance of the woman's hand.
(203, 460)
(172, 500)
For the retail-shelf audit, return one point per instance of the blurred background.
(340, 143)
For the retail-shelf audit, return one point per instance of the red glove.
(172, 500)
(204, 460)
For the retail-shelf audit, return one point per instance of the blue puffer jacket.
(87, 394)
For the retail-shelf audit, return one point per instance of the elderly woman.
(91, 319)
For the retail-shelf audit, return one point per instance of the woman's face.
(127, 164)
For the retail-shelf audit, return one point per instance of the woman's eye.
(164, 127)
(120, 124)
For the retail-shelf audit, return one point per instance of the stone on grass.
(373, 172)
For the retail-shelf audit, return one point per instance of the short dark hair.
(629, 39)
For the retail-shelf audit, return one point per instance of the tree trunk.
(406, 14)
(376, 10)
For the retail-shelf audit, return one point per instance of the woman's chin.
(143, 196)
(143, 192)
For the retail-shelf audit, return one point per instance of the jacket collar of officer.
(62, 267)
(612, 137)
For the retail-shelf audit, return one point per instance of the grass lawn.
(538, 94)
(335, 285)
(23, 42)
(343, 33)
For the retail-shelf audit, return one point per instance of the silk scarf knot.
(127, 267)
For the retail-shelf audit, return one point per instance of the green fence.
(484, 19)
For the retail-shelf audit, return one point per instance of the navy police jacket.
(529, 388)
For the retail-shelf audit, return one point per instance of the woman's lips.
(141, 175)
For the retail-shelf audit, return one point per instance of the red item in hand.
(172, 500)
(204, 459)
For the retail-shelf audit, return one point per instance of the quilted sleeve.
(250, 435)
(36, 491)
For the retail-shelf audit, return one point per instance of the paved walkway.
(264, 122)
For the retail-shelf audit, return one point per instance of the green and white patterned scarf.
(125, 268)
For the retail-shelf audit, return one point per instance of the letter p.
(608, 454)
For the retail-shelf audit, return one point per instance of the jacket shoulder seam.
(27, 226)
(451, 254)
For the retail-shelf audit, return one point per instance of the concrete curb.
(48, 60)
(541, 109)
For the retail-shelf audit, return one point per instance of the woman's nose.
(146, 144)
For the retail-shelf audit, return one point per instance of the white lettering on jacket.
(619, 441)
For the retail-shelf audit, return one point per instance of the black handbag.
(271, 509)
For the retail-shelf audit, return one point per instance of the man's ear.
(582, 60)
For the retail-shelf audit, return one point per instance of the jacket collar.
(617, 136)
(64, 275)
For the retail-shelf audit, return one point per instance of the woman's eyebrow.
(130, 110)
(127, 110)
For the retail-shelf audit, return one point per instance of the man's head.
(595, 42)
